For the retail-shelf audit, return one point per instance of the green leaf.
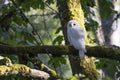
(49, 1)
(58, 40)
(42, 5)
(57, 61)
(18, 20)
(105, 63)
(105, 9)
(91, 25)
(29, 37)
(58, 30)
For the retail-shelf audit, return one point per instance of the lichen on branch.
(23, 70)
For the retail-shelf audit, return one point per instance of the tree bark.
(108, 26)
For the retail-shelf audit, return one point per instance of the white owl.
(76, 37)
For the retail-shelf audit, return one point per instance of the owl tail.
(81, 54)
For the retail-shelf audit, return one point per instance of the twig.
(47, 14)
(38, 73)
(51, 8)
(27, 20)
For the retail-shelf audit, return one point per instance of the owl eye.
(74, 24)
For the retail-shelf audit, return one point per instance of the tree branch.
(22, 69)
(95, 51)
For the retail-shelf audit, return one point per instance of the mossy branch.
(7, 68)
(102, 51)
(23, 70)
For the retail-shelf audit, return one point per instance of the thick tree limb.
(22, 69)
(102, 51)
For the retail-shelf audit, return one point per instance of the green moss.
(14, 69)
(53, 73)
(19, 68)
(4, 69)
(41, 66)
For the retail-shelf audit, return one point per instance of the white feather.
(81, 54)
(76, 37)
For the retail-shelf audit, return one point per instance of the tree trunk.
(71, 10)
(108, 32)
(108, 26)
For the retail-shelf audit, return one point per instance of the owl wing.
(69, 35)
(76, 37)
(69, 38)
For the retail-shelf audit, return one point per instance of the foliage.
(24, 22)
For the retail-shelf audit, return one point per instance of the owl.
(76, 37)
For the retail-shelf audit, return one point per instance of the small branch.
(45, 68)
(38, 73)
(95, 51)
(47, 14)
(51, 8)
(23, 70)
(33, 72)
(50, 71)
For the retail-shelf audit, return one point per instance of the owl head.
(73, 24)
